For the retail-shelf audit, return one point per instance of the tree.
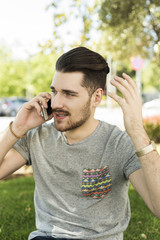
(151, 77)
(41, 68)
(130, 27)
(11, 74)
(28, 77)
(74, 21)
(127, 28)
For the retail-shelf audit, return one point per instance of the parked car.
(151, 111)
(10, 106)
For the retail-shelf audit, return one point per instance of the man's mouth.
(61, 115)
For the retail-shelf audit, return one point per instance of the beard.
(72, 124)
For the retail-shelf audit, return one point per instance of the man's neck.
(82, 132)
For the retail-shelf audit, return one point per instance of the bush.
(152, 127)
(153, 131)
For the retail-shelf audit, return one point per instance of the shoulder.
(43, 131)
(114, 135)
(111, 130)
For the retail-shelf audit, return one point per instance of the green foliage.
(17, 216)
(11, 74)
(5, 53)
(151, 78)
(81, 13)
(41, 69)
(130, 27)
(127, 28)
(153, 131)
(26, 78)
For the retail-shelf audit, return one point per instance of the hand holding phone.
(46, 112)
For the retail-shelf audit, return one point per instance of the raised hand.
(29, 116)
(131, 103)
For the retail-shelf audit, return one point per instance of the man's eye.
(68, 94)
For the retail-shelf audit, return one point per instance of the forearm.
(151, 169)
(10, 159)
(131, 105)
(7, 140)
(150, 163)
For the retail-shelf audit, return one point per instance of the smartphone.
(48, 111)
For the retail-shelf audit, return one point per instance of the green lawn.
(17, 213)
(16, 208)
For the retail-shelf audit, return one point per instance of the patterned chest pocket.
(96, 183)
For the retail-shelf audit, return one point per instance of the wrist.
(149, 148)
(143, 144)
(17, 132)
(140, 139)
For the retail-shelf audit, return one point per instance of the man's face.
(71, 103)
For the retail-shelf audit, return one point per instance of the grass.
(143, 224)
(17, 213)
(16, 208)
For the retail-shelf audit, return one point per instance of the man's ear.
(97, 97)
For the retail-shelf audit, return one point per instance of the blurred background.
(34, 33)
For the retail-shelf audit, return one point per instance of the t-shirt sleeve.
(131, 166)
(127, 154)
(21, 147)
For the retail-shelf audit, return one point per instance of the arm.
(10, 159)
(146, 180)
(27, 118)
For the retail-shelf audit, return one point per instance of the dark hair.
(91, 64)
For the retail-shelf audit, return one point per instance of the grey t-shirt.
(81, 189)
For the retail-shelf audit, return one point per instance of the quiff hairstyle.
(91, 64)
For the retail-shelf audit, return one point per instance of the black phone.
(48, 111)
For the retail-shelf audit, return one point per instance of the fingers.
(44, 95)
(130, 81)
(118, 99)
(131, 103)
(117, 82)
(42, 99)
(126, 86)
(37, 102)
(34, 105)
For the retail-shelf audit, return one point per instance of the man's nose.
(56, 101)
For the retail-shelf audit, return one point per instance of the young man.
(82, 166)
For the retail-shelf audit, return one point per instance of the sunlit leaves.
(29, 77)
(74, 13)
(133, 25)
